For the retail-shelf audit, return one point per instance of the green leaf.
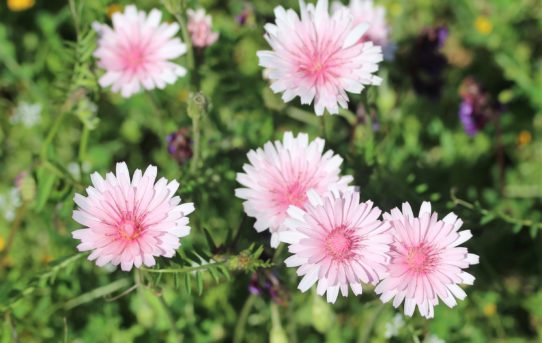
(533, 230)
(199, 283)
(46, 181)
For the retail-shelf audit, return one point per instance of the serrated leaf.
(199, 283)
(188, 283)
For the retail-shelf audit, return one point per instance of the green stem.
(186, 36)
(415, 337)
(51, 135)
(165, 307)
(323, 126)
(196, 110)
(67, 177)
(239, 332)
(503, 216)
(365, 335)
(197, 137)
(182, 270)
(84, 143)
(97, 293)
(19, 217)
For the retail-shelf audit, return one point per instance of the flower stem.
(181, 270)
(51, 135)
(196, 110)
(84, 144)
(97, 293)
(179, 15)
(239, 332)
(365, 335)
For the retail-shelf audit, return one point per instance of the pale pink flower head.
(319, 56)
(200, 26)
(426, 260)
(130, 221)
(280, 174)
(136, 52)
(366, 12)
(338, 242)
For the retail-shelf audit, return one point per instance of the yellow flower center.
(483, 25)
(20, 5)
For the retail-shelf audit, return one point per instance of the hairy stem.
(182, 270)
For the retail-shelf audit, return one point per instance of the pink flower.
(338, 242)
(365, 12)
(280, 174)
(319, 56)
(426, 260)
(199, 26)
(137, 50)
(130, 222)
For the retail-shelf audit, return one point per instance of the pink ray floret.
(319, 57)
(338, 242)
(280, 174)
(200, 28)
(366, 12)
(136, 52)
(130, 222)
(427, 263)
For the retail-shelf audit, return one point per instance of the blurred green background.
(402, 141)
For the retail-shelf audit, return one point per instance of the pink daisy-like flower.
(426, 260)
(319, 56)
(136, 52)
(337, 241)
(365, 12)
(280, 174)
(199, 26)
(130, 222)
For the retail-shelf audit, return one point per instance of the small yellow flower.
(183, 95)
(524, 138)
(6, 262)
(112, 9)
(20, 5)
(490, 309)
(46, 259)
(483, 25)
(2, 243)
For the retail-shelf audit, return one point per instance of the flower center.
(296, 194)
(293, 194)
(314, 68)
(129, 228)
(421, 258)
(134, 58)
(341, 243)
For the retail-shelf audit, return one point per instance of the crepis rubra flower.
(280, 174)
(427, 263)
(338, 242)
(319, 57)
(200, 26)
(130, 221)
(136, 52)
